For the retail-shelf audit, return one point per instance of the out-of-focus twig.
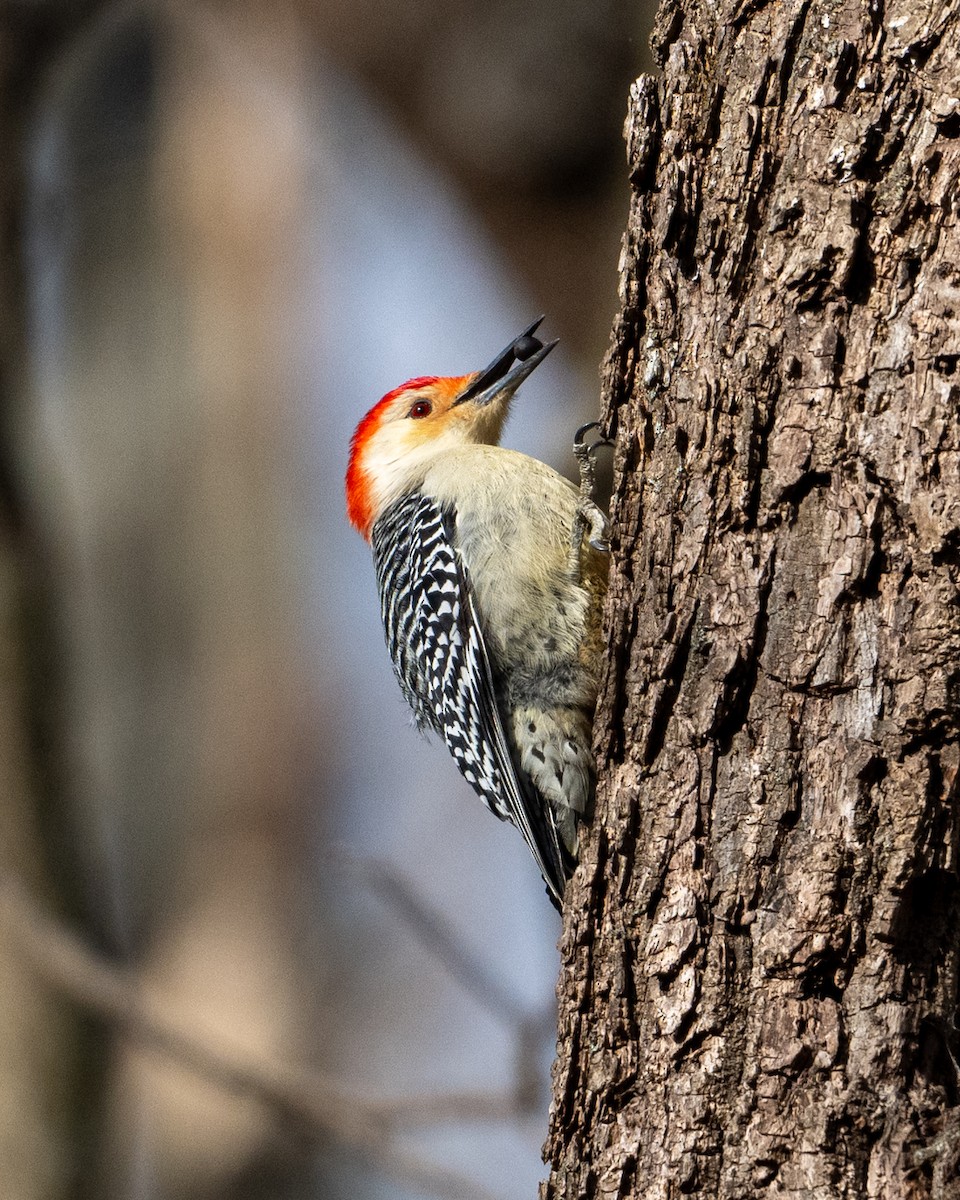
(305, 1098)
(435, 933)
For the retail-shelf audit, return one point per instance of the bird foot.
(588, 515)
(590, 518)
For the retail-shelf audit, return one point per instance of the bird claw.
(588, 515)
(593, 519)
(579, 438)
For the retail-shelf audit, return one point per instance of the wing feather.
(439, 655)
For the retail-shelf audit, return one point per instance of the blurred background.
(257, 937)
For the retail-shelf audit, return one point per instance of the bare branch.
(432, 930)
(305, 1098)
(437, 935)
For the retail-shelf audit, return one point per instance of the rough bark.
(760, 977)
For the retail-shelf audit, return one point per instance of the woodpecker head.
(430, 415)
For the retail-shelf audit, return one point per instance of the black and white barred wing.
(441, 661)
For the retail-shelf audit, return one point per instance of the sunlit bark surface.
(761, 950)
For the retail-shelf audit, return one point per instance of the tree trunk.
(46, 1055)
(761, 948)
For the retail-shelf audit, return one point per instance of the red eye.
(422, 408)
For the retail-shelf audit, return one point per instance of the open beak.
(509, 369)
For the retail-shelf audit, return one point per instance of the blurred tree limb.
(39, 1043)
(306, 1100)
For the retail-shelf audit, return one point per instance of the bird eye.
(422, 408)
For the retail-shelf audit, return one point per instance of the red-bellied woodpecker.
(489, 592)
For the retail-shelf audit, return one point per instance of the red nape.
(440, 388)
(359, 500)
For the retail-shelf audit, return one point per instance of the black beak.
(509, 369)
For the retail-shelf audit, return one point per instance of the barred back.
(439, 656)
